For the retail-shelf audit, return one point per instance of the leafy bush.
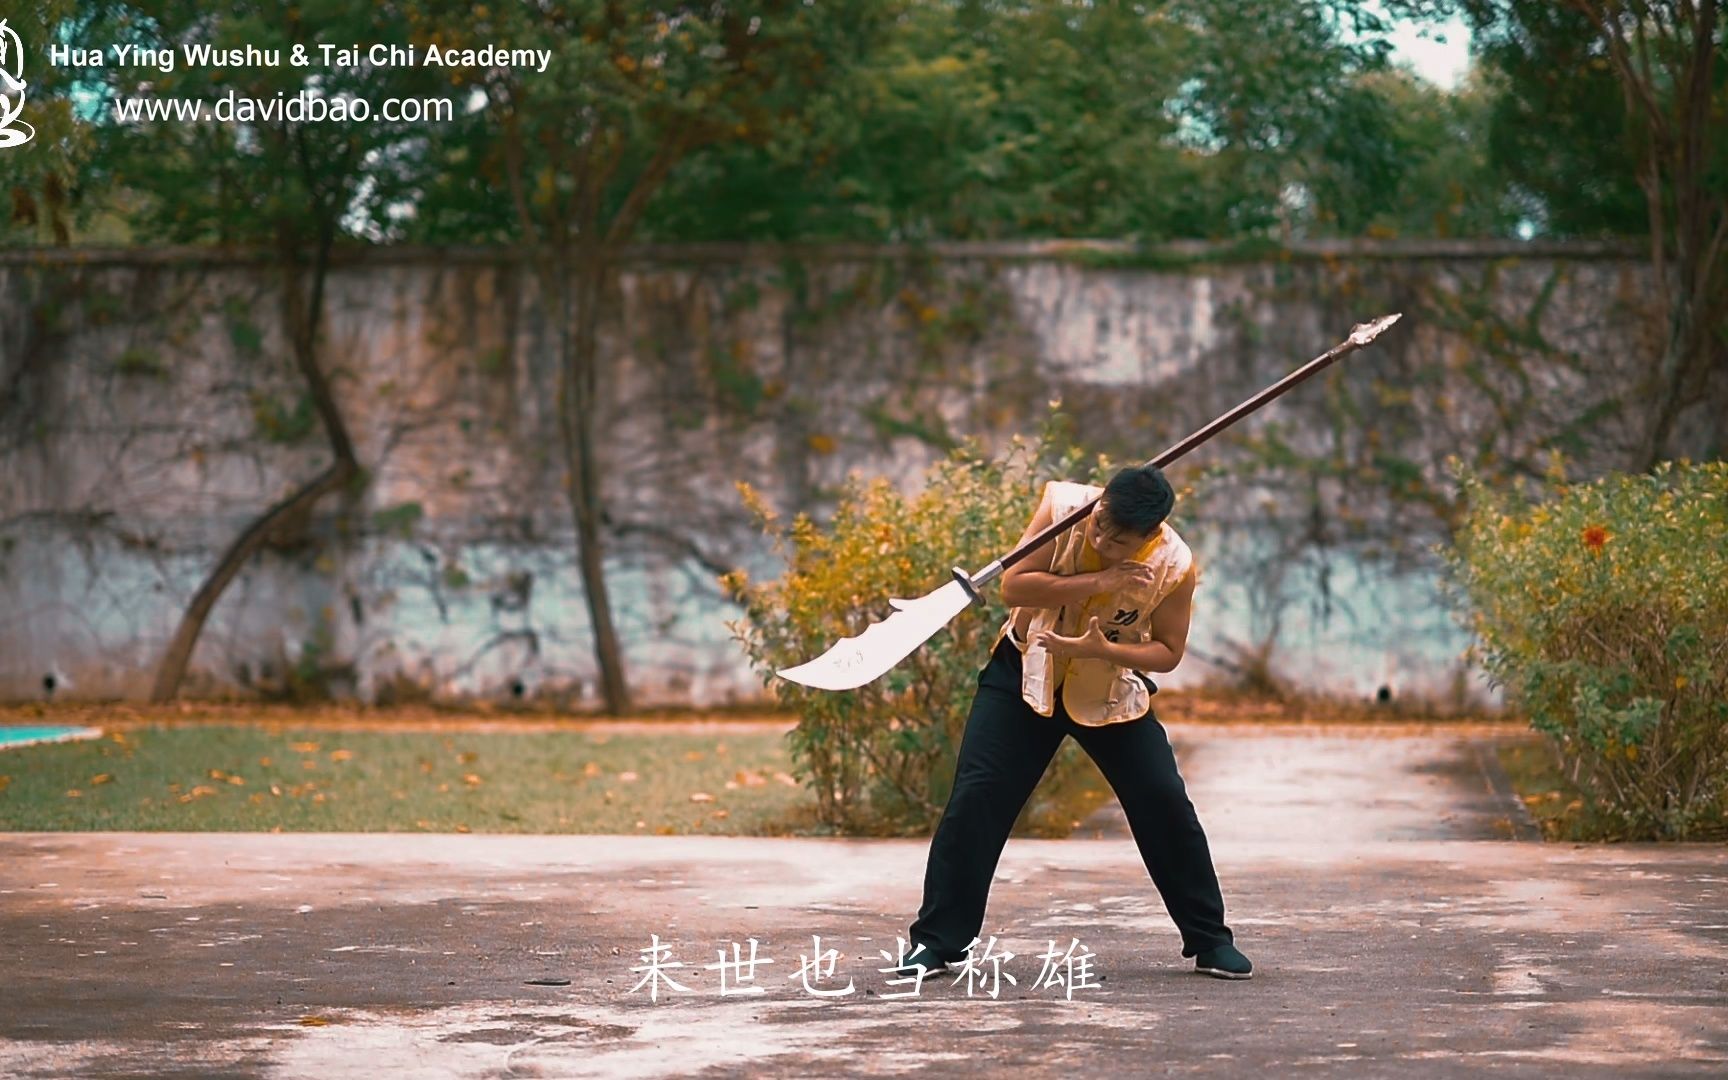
(881, 758)
(1603, 611)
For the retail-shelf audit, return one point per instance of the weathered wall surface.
(149, 411)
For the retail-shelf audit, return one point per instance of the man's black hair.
(1138, 499)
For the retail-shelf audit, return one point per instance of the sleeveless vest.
(1094, 691)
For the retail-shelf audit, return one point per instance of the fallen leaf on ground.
(101, 778)
(304, 747)
(471, 780)
(701, 796)
(628, 777)
(591, 769)
(341, 755)
(313, 1021)
(463, 828)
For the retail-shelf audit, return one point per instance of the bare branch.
(675, 542)
(1639, 93)
(513, 170)
(647, 184)
(246, 545)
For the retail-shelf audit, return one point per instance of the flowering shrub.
(881, 758)
(1603, 611)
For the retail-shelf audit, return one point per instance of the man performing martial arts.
(1104, 601)
(1100, 589)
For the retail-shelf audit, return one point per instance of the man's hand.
(1092, 643)
(1125, 575)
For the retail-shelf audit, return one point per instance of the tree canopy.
(894, 120)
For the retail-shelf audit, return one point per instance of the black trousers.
(1003, 753)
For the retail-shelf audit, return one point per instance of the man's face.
(1112, 542)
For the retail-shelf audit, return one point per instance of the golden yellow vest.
(1095, 692)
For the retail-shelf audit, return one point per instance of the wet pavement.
(1393, 936)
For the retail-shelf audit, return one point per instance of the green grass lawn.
(252, 778)
(216, 776)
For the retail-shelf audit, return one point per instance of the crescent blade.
(854, 661)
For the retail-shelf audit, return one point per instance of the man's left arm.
(1168, 636)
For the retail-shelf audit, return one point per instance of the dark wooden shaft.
(1182, 447)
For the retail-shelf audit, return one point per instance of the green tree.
(292, 186)
(40, 178)
(1398, 156)
(1563, 64)
(580, 152)
(1227, 118)
(1557, 134)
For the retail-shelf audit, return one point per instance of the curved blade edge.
(852, 662)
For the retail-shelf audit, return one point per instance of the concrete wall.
(149, 411)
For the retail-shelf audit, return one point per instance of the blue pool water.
(21, 736)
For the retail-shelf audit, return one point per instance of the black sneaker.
(920, 957)
(1224, 962)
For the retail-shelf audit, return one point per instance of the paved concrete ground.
(1389, 943)
(1345, 783)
